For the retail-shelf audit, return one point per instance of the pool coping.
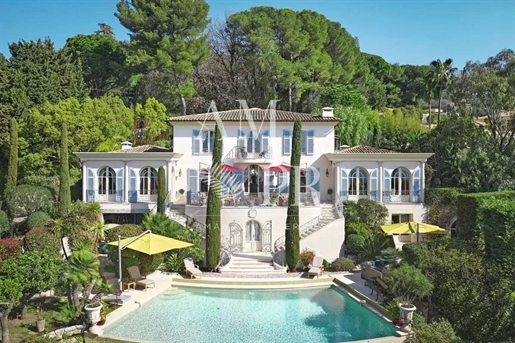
(279, 283)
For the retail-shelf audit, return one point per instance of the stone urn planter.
(407, 311)
(93, 311)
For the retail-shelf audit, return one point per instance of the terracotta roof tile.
(257, 114)
(364, 149)
(144, 148)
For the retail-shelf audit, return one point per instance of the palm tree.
(82, 273)
(160, 224)
(442, 73)
(105, 29)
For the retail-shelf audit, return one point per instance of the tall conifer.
(292, 246)
(161, 190)
(214, 205)
(65, 199)
(12, 171)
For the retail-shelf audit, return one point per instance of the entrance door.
(252, 236)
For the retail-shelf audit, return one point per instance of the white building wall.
(323, 143)
(326, 242)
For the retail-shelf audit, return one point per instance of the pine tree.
(12, 171)
(65, 199)
(161, 191)
(292, 246)
(214, 205)
(168, 36)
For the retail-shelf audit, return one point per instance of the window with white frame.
(208, 141)
(308, 142)
(400, 182)
(358, 182)
(148, 181)
(106, 181)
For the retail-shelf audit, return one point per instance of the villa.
(257, 145)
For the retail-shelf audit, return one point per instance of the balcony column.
(337, 183)
(169, 181)
(125, 182)
(380, 183)
(422, 181)
(84, 182)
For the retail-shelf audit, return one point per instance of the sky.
(400, 31)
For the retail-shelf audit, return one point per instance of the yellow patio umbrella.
(152, 244)
(411, 227)
(147, 243)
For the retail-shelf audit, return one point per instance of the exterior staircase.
(329, 214)
(251, 263)
(176, 213)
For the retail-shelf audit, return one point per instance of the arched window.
(106, 181)
(400, 182)
(148, 181)
(358, 182)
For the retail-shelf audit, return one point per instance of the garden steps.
(329, 214)
(176, 213)
(251, 263)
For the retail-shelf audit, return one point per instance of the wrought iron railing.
(111, 195)
(241, 153)
(255, 199)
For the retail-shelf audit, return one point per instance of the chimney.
(126, 145)
(327, 112)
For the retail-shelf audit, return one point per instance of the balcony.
(388, 197)
(255, 199)
(117, 196)
(240, 155)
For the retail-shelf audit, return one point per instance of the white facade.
(255, 177)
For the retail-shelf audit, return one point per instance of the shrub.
(393, 309)
(355, 243)
(435, 332)
(10, 247)
(38, 219)
(42, 239)
(341, 264)
(174, 263)
(408, 283)
(5, 228)
(307, 256)
(357, 228)
(27, 199)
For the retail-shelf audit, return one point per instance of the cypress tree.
(292, 246)
(214, 205)
(161, 191)
(65, 198)
(12, 170)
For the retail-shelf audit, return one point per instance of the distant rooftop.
(143, 148)
(364, 149)
(257, 114)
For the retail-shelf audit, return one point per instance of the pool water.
(229, 315)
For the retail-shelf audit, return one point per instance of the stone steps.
(252, 263)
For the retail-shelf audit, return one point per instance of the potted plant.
(408, 284)
(93, 309)
(103, 313)
(242, 152)
(41, 322)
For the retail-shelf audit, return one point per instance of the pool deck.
(164, 281)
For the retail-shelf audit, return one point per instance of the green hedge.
(42, 239)
(38, 219)
(5, 227)
(441, 196)
(499, 233)
(469, 225)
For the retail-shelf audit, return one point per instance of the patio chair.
(192, 269)
(317, 267)
(135, 276)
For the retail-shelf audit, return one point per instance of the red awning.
(279, 169)
(226, 168)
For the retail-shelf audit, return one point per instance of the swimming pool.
(231, 315)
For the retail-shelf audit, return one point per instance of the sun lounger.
(192, 269)
(135, 276)
(117, 299)
(317, 267)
